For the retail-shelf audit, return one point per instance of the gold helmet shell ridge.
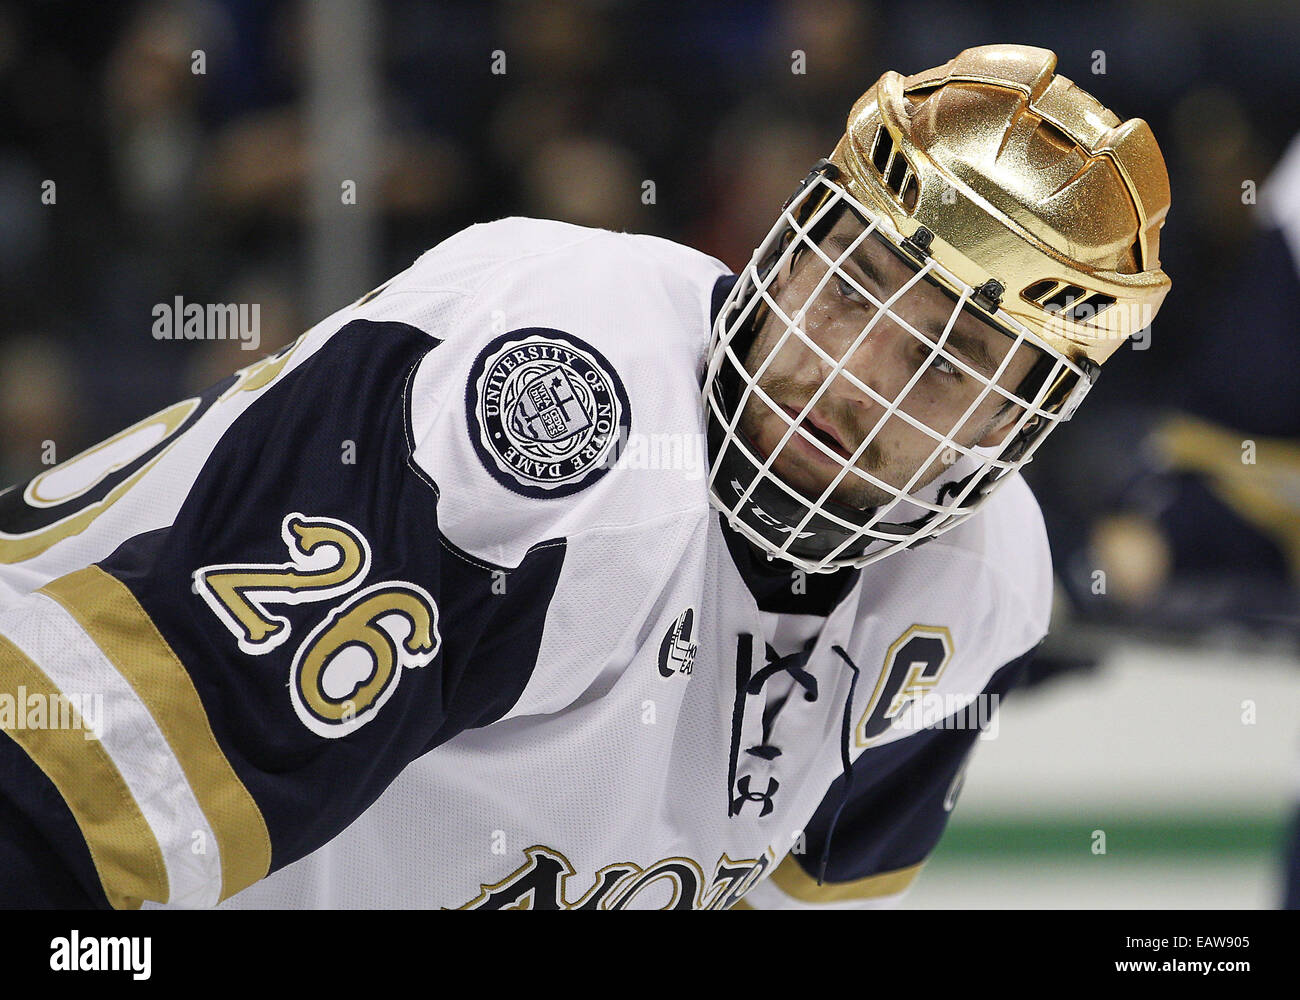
(1022, 178)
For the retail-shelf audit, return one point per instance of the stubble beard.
(852, 491)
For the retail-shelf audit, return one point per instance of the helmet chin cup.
(773, 514)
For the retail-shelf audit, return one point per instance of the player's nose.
(871, 360)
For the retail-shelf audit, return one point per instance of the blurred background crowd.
(196, 149)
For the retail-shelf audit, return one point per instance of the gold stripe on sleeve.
(119, 626)
(127, 858)
(791, 879)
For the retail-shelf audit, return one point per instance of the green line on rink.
(1126, 835)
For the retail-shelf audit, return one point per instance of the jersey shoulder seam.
(1010, 584)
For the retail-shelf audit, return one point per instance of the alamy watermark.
(181, 320)
(93, 953)
(38, 710)
(674, 452)
(950, 711)
(1129, 321)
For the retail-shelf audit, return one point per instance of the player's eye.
(938, 363)
(947, 367)
(847, 291)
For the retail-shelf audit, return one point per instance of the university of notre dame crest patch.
(546, 412)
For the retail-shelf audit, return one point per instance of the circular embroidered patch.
(546, 412)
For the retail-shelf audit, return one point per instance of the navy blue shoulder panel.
(900, 799)
(332, 439)
(44, 860)
(721, 289)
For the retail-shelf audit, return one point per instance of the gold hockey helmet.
(1024, 179)
(1008, 188)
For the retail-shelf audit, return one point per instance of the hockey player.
(417, 613)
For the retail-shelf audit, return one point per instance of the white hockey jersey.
(430, 609)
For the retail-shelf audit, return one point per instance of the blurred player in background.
(1209, 527)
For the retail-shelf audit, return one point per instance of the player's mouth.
(821, 429)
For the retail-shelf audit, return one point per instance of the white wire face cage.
(843, 507)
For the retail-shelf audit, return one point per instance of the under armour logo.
(742, 785)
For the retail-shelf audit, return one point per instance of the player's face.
(885, 360)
